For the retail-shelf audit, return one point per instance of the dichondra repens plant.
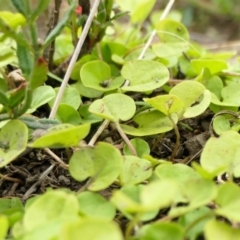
(125, 90)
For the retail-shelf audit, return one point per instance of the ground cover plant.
(115, 126)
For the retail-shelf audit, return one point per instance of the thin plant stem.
(98, 133)
(148, 43)
(53, 155)
(177, 144)
(125, 138)
(74, 59)
(5, 177)
(130, 227)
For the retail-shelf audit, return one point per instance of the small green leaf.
(228, 201)
(70, 97)
(178, 172)
(67, 114)
(139, 9)
(94, 205)
(171, 31)
(222, 153)
(102, 163)
(142, 148)
(114, 107)
(219, 230)
(13, 20)
(149, 123)
(87, 92)
(56, 136)
(51, 209)
(166, 104)
(158, 194)
(3, 99)
(4, 227)
(220, 124)
(214, 65)
(194, 198)
(166, 50)
(144, 75)
(162, 230)
(86, 116)
(134, 170)
(41, 96)
(94, 229)
(191, 92)
(39, 74)
(13, 141)
(200, 217)
(97, 75)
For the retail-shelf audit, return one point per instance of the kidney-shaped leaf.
(94, 229)
(13, 141)
(222, 153)
(191, 92)
(51, 206)
(171, 31)
(41, 96)
(114, 107)
(214, 65)
(144, 75)
(134, 170)
(162, 230)
(94, 205)
(228, 201)
(166, 104)
(102, 163)
(149, 123)
(62, 136)
(220, 230)
(97, 75)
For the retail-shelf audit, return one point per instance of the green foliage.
(140, 97)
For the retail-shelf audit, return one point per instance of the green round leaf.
(214, 65)
(228, 201)
(94, 205)
(114, 107)
(67, 114)
(134, 170)
(139, 9)
(70, 97)
(220, 124)
(56, 136)
(52, 208)
(220, 230)
(166, 104)
(149, 123)
(222, 153)
(144, 75)
(41, 96)
(162, 230)
(87, 92)
(97, 75)
(171, 31)
(4, 227)
(103, 170)
(191, 92)
(181, 173)
(13, 141)
(142, 148)
(91, 229)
